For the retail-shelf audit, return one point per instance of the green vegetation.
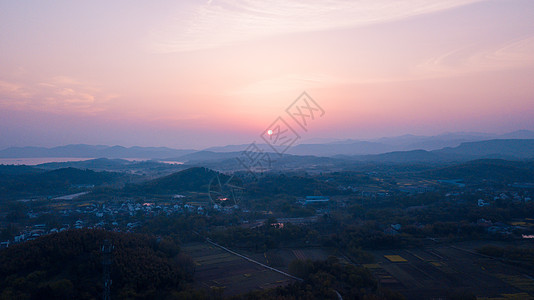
(24, 184)
(372, 209)
(264, 237)
(67, 265)
(324, 279)
(523, 255)
(290, 185)
(193, 179)
(495, 170)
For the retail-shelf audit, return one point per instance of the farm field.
(422, 273)
(282, 257)
(218, 268)
(434, 272)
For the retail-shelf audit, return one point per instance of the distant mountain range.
(91, 151)
(512, 149)
(384, 145)
(407, 148)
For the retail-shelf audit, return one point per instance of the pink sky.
(203, 73)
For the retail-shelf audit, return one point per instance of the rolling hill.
(486, 169)
(46, 183)
(511, 149)
(505, 148)
(194, 179)
(67, 265)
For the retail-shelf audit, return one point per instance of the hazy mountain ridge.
(92, 151)
(518, 148)
(204, 156)
(98, 163)
(444, 147)
(511, 149)
(383, 145)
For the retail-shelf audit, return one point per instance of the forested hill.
(67, 265)
(26, 181)
(193, 179)
(496, 170)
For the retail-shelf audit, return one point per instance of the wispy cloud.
(58, 94)
(222, 22)
(517, 53)
(10, 89)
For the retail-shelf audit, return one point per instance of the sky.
(194, 74)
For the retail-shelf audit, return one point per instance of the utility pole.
(107, 249)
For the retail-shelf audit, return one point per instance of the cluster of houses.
(91, 216)
(503, 229)
(505, 196)
(31, 233)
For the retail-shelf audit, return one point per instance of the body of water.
(32, 161)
